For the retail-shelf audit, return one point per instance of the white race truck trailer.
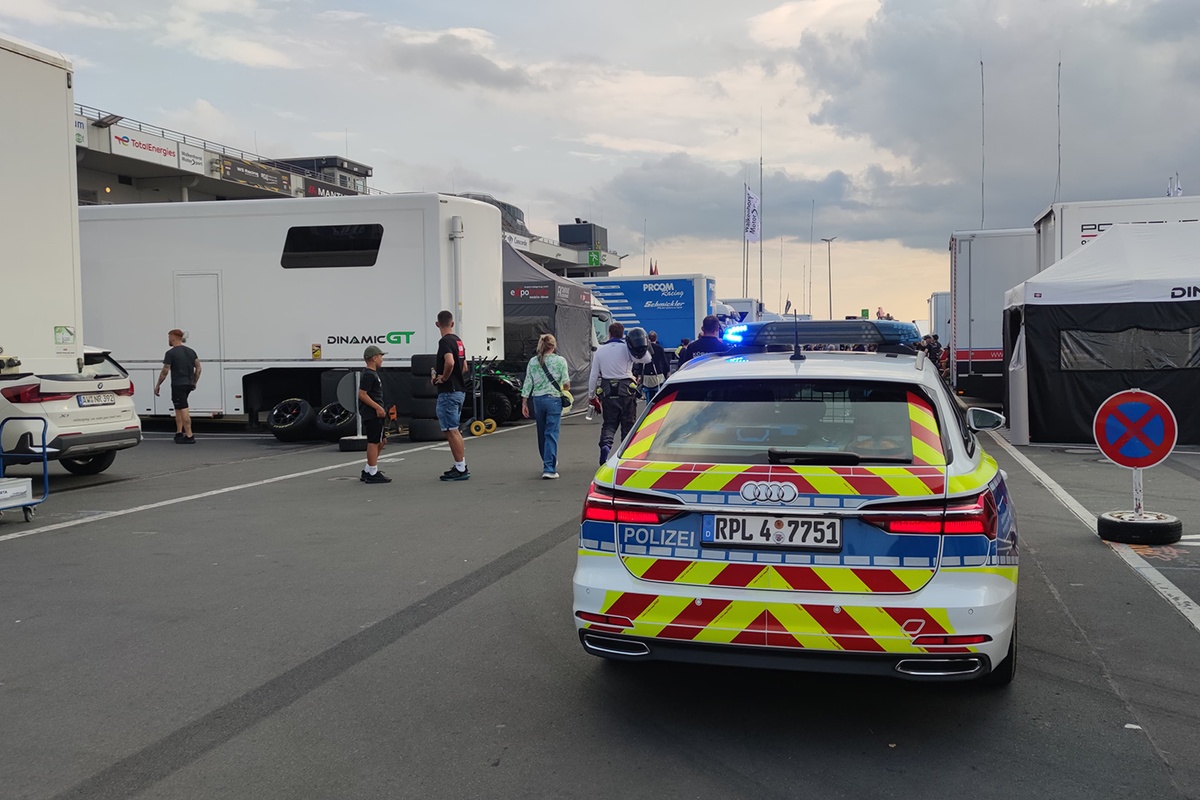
(49, 385)
(275, 294)
(983, 266)
(939, 317)
(1063, 228)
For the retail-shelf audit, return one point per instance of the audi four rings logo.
(769, 492)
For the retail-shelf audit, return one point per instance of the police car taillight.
(602, 505)
(974, 517)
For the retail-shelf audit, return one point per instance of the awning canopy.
(1133, 263)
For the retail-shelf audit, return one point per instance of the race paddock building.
(122, 160)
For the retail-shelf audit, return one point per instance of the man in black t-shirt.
(373, 413)
(709, 341)
(183, 365)
(450, 378)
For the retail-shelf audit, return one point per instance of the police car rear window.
(728, 422)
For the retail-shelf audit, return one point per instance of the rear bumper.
(29, 447)
(955, 667)
(868, 634)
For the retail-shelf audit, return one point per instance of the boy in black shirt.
(370, 407)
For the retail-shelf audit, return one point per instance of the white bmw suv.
(89, 416)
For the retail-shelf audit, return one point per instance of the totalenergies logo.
(138, 144)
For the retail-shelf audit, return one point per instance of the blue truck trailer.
(671, 305)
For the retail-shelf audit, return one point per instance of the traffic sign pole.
(1138, 507)
(1136, 430)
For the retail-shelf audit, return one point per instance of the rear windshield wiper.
(833, 458)
(837, 458)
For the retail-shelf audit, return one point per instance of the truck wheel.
(334, 422)
(498, 407)
(89, 465)
(293, 420)
(1154, 528)
(424, 408)
(425, 430)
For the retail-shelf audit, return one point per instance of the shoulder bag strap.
(549, 377)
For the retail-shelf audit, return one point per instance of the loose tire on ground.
(424, 408)
(334, 421)
(89, 465)
(425, 430)
(293, 420)
(1121, 526)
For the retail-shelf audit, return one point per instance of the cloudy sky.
(649, 114)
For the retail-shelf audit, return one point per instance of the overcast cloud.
(647, 115)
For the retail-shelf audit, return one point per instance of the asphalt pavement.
(243, 618)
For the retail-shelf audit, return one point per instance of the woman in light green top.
(546, 382)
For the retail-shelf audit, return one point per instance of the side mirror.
(984, 419)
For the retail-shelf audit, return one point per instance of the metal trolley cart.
(478, 423)
(18, 492)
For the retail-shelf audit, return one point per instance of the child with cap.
(370, 407)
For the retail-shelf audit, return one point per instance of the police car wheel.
(1003, 673)
(1153, 528)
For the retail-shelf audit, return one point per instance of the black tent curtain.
(1079, 355)
(525, 322)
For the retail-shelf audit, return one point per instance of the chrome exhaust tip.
(939, 667)
(606, 645)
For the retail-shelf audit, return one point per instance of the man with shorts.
(452, 390)
(183, 365)
(374, 416)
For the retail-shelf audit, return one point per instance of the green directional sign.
(866, 313)
(594, 258)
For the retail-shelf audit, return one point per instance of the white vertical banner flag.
(753, 231)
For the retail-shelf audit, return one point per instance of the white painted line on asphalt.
(1170, 592)
(58, 526)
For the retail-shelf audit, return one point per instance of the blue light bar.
(734, 334)
(826, 332)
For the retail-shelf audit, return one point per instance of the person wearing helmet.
(709, 341)
(611, 381)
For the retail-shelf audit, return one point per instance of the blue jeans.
(449, 409)
(547, 412)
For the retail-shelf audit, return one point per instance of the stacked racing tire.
(423, 426)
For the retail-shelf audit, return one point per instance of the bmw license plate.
(803, 532)
(102, 399)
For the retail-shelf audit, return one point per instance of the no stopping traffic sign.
(1135, 429)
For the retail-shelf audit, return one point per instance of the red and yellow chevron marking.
(848, 580)
(926, 441)
(977, 481)
(868, 629)
(887, 481)
(644, 438)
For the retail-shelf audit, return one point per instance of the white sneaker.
(549, 476)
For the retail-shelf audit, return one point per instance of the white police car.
(824, 511)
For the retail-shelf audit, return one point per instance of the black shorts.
(179, 395)
(373, 429)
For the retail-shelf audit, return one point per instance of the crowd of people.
(631, 365)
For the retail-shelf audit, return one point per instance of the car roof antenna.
(797, 353)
